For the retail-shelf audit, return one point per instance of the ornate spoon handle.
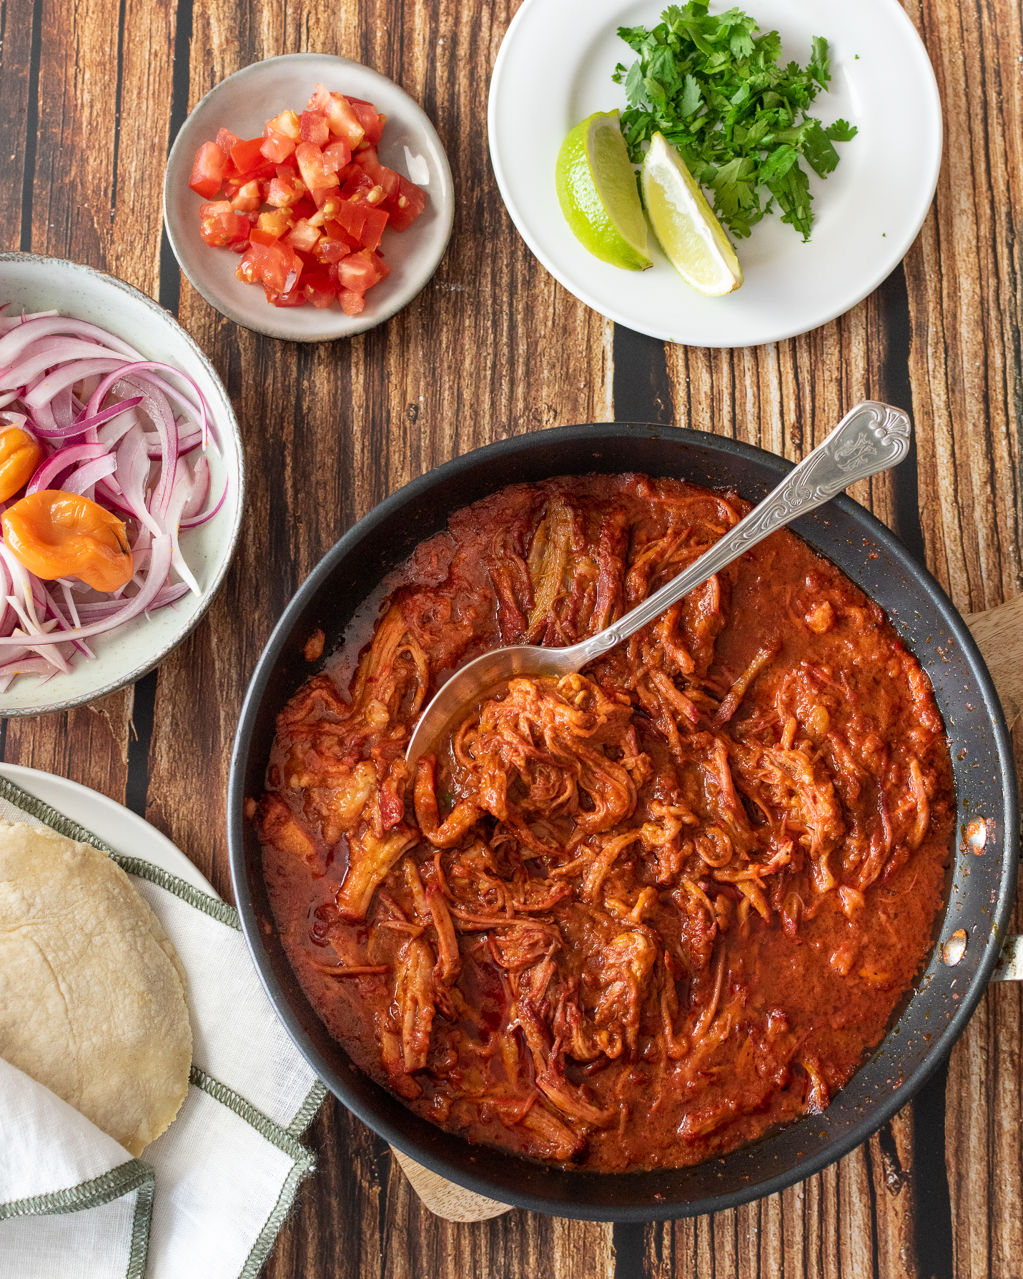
(871, 437)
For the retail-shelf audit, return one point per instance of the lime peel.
(690, 235)
(596, 187)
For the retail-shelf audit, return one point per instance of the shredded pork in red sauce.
(633, 917)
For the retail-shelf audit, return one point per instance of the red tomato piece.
(351, 303)
(314, 128)
(312, 169)
(332, 248)
(379, 173)
(276, 147)
(351, 216)
(248, 197)
(276, 222)
(304, 207)
(318, 287)
(284, 192)
(248, 158)
(276, 265)
(226, 140)
(357, 184)
(220, 225)
(359, 271)
(294, 296)
(376, 220)
(336, 155)
(407, 205)
(343, 122)
(303, 236)
(366, 114)
(326, 201)
(208, 170)
(287, 123)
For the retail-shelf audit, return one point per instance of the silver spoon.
(871, 437)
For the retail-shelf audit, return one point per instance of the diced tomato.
(284, 192)
(303, 207)
(351, 303)
(376, 220)
(407, 205)
(332, 248)
(303, 236)
(226, 140)
(313, 170)
(318, 287)
(336, 155)
(343, 122)
(246, 269)
(260, 235)
(380, 174)
(248, 198)
(304, 213)
(287, 123)
(276, 265)
(366, 114)
(352, 217)
(314, 128)
(277, 222)
(277, 146)
(220, 225)
(357, 184)
(359, 271)
(247, 155)
(294, 297)
(208, 170)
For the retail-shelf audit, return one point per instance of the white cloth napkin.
(207, 1199)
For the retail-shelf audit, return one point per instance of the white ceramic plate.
(554, 69)
(127, 653)
(118, 826)
(243, 103)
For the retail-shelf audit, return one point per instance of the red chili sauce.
(632, 918)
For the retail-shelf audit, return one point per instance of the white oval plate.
(118, 826)
(554, 69)
(243, 103)
(127, 653)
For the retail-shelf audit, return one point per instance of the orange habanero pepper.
(58, 534)
(19, 456)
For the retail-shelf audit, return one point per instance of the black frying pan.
(981, 887)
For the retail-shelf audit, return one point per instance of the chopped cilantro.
(714, 87)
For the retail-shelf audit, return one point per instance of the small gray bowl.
(243, 103)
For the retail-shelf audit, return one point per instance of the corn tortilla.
(92, 994)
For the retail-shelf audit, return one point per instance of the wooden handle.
(999, 635)
(444, 1198)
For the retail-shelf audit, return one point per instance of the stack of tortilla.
(92, 994)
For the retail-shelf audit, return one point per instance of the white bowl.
(243, 103)
(32, 283)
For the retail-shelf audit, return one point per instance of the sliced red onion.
(117, 428)
(50, 470)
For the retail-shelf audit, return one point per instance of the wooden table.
(91, 93)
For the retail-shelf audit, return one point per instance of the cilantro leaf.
(715, 86)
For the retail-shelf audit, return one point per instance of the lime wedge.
(597, 192)
(684, 223)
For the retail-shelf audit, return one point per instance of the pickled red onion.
(115, 428)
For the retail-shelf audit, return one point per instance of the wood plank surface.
(91, 94)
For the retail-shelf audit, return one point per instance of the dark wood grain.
(91, 93)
